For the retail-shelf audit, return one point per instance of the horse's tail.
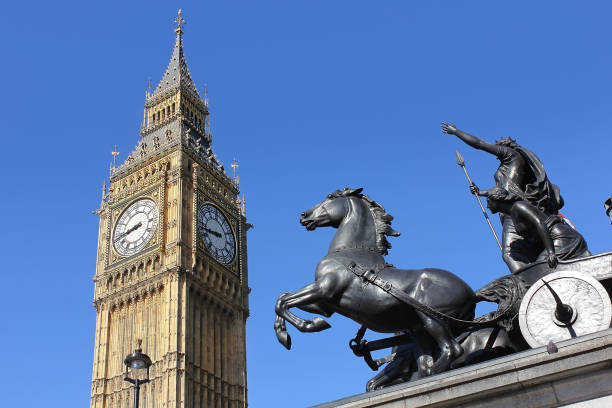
(507, 292)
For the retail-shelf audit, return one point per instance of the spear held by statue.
(461, 162)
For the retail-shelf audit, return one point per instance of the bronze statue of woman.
(521, 174)
(560, 240)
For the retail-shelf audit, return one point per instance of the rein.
(371, 276)
(367, 248)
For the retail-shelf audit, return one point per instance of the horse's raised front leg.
(316, 308)
(306, 298)
(281, 332)
(281, 328)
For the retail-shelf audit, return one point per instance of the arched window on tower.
(172, 107)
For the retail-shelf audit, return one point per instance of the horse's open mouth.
(308, 223)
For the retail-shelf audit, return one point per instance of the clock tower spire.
(172, 262)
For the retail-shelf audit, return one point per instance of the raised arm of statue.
(525, 213)
(473, 141)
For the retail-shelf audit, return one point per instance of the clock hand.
(134, 228)
(215, 233)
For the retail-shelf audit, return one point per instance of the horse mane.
(382, 220)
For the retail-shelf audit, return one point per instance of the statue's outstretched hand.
(449, 128)
(474, 189)
(552, 260)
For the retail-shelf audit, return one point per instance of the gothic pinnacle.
(177, 73)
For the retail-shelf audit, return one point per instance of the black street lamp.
(137, 364)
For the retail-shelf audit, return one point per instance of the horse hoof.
(425, 365)
(319, 324)
(284, 338)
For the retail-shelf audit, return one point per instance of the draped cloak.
(537, 189)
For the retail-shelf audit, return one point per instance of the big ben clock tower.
(171, 272)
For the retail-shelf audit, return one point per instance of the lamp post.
(137, 364)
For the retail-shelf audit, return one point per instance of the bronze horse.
(359, 244)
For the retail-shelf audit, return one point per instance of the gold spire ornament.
(235, 167)
(103, 201)
(115, 153)
(144, 111)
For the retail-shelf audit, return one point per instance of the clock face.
(216, 233)
(135, 227)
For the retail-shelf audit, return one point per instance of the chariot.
(552, 305)
(431, 311)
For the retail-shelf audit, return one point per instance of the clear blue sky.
(309, 97)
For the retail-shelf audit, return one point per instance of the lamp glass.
(138, 364)
(138, 370)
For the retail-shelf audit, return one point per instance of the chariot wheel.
(563, 305)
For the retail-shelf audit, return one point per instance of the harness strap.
(371, 276)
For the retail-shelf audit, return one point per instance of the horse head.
(329, 212)
(369, 222)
